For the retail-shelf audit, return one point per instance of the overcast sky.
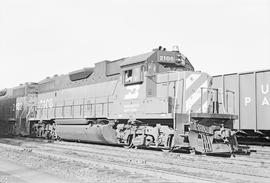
(42, 38)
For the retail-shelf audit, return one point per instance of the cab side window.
(128, 76)
(133, 75)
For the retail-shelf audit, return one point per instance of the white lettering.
(265, 101)
(131, 108)
(265, 91)
(49, 103)
(19, 106)
(46, 103)
(166, 58)
(247, 100)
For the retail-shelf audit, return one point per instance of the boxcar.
(251, 102)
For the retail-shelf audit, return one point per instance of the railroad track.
(260, 152)
(97, 161)
(170, 166)
(265, 149)
(238, 160)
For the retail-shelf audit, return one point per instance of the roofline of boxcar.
(242, 73)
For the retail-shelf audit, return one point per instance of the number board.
(166, 57)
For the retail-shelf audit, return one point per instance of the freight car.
(251, 103)
(16, 107)
(152, 100)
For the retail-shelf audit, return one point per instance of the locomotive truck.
(154, 100)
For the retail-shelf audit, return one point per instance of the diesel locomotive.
(154, 100)
(16, 107)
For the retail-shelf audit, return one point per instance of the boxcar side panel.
(252, 98)
(232, 100)
(247, 101)
(263, 100)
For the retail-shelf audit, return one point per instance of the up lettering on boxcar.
(247, 100)
(265, 89)
(265, 101)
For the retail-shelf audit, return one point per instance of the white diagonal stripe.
(195, 96)
(205, 107)
(191, 79)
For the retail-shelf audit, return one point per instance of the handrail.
(216, 99)
(227, 99)
(216, 106)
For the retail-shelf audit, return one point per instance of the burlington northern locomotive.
(152, 100)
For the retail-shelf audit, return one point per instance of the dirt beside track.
(12, 172)
(72, 170)
(95, 163)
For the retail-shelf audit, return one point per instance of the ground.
(28, 160)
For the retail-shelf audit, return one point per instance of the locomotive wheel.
(168, 150)
(169, 144)
(198, 152)
(58, 138)
(130, 144)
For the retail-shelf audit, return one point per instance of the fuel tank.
(84, 130)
